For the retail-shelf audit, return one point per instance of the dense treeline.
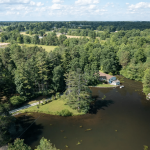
(109, 26)
(127, 52)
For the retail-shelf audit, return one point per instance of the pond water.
(119, 122)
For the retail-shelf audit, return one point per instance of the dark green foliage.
(5, 121)
(58, 79)
(146, 82)
(65, 113)
(16, 100)
(78, 95)
(62, 38)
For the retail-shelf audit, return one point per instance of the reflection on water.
(119, 122)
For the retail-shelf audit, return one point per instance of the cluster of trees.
(82, 32)
(99, 25)
(20, 145)
(78, 95)
(15, 37)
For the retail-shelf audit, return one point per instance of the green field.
(52, 108)
(47, 48)
(24, 33)
(104, 85)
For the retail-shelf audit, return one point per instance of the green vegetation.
(78, 94)
(105, 85)
(56, 107)
(20, 145)
(145, 147)
(47, 48)
(16, 100)
(67, 65)
(146, 82)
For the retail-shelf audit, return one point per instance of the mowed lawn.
(105, 85)
(52, 108)
(47, 48)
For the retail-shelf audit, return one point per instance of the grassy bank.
(105, 85)
(47, 48)
(52, 107)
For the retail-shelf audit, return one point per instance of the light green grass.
(24, 33)
(48, 32)
(52, 108)
(105, 85)
(47, 48)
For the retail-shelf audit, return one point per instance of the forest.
(116, 48)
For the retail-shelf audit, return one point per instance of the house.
(148, 96)
(40, 37)
(109, 78)
(116, 82)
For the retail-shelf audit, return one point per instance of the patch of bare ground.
(3, 44)
(4, 148)
(35, 100)
(71, 36)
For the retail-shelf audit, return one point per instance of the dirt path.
(3, 44)
(4, 148)
(27, 106)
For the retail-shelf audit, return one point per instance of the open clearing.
(47, 48)
(105, 85)
(52, 108)
(24, 33)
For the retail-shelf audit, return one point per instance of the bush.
(65, 112)
(53, 97)
(57, 95)
(27, 32)
(16, 100)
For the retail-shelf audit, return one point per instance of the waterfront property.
(109, 78)
(148, 96)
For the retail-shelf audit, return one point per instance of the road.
(27, 106)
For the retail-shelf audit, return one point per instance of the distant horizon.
(72, 21)
(64, 10)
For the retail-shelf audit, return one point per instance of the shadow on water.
(27, 128)
(99, 104)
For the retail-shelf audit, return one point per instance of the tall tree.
(46, 145)
(77, 93)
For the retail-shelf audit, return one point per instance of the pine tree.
(78, 94)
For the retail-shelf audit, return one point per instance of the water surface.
(119, 122)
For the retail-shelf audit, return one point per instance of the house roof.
(116, 81)
(106, 75)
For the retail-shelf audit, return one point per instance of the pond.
(119, 122)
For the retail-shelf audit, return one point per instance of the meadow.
(47, 48)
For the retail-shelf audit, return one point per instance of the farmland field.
(47, 48)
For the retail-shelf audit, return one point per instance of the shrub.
(53, 97)
(57, 95)
(65, 112)
(38, 106)
(27, 32)
(16, 100)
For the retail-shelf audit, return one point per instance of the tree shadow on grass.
(28, 129)
(99, 104)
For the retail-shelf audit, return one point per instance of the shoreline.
(105, 87)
